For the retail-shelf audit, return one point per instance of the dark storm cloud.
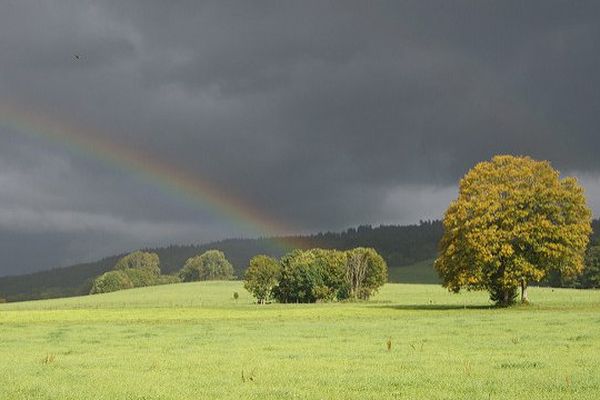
(325, 114)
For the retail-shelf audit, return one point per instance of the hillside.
(399, 245)
(409, 251)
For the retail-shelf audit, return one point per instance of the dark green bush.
(325, 275)
(141, 277)
(310, 276)
(110, 282)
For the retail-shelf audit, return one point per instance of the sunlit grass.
(195, 341)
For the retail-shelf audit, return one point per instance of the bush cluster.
(137, 269)
(208, 266)
(308, 276)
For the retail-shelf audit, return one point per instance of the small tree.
(366, 272)
(111, 281)
(514, 221)
(140, 260)
(211, 265)
(261, 277)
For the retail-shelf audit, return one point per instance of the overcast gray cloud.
(323, 115)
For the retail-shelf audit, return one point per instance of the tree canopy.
(261, 277)
(365, 272)
(210, 265)
(137, 269)
(140, 260)
(111, 281)
(514, 221)
(310, 275)
(324, 275)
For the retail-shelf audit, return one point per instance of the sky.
(283, 117)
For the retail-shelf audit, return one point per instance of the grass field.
(419, 272)
(193, 341)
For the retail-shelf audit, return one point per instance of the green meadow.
(194, 341)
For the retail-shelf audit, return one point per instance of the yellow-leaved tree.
(514, 221)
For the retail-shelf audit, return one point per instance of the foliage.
(140, 260)
(591, 273)
(211, 265)
(514, 221)
(141, 277)
(138, 269)
(111, 281)
(261, 277)
(365, 272)
(400, 246)
(502, 296)
(311, 275)
(323, 275)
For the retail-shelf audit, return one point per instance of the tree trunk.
(524, 298)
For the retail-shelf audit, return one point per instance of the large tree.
(210, 265)
(514, 221)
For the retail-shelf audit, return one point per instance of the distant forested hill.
(399, 245)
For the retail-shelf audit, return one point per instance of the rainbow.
(193, 188)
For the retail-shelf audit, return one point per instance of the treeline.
(301, 276)
(141, 269)
(398, 245)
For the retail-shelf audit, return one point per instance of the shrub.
(141, 277)
(310, 276)
(110, 282)
(211, 265)
(137, 269)
(261, 277)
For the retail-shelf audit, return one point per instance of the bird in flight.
(76, 57)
